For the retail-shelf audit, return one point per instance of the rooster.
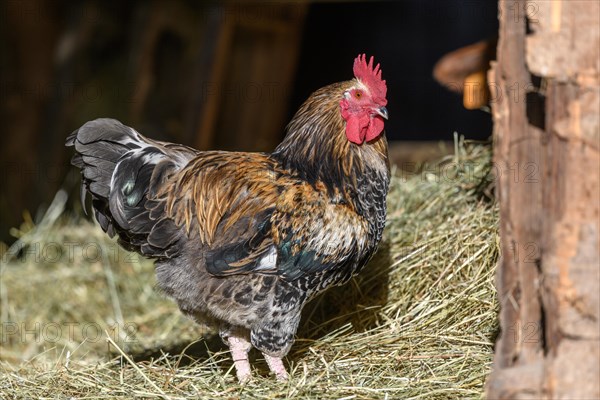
(243, 240)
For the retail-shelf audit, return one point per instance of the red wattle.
(375, 128)
(357, 128)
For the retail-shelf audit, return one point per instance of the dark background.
(225, 75)
(407, 38)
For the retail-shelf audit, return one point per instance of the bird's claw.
(243, 377)
(276, 366)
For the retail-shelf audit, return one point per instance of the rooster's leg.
(276, 366)
(239, 347)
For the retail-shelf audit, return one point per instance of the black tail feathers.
(119, 167)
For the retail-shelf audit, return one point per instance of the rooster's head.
(363, 104)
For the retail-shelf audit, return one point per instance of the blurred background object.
(465, 70)
(215, 75)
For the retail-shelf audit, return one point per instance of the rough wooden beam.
(546, 95)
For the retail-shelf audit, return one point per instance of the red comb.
(370, 77)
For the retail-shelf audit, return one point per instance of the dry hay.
(81, 318)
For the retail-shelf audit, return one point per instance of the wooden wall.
(210, 75)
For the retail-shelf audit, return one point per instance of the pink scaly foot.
(276, 366)
(239, 347)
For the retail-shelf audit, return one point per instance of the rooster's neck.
(317, 150)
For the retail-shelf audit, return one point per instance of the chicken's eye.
(358, 94)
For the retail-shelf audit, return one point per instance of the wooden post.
(546, 103)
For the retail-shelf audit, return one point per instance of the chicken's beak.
(382, 111)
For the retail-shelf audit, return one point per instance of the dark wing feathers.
(227, 200)
(302, 233)
(314, 234)
(242, 246)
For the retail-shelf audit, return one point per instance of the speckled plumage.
(243, 240)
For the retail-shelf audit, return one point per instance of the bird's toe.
(276, 366)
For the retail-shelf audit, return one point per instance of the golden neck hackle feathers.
(316, 144)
